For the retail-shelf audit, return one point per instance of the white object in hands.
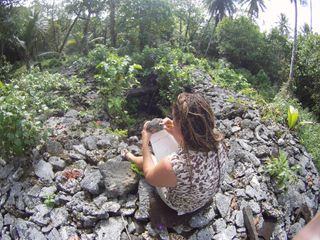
(163, 144)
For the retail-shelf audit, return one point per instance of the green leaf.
(293, 116)
(137, 66)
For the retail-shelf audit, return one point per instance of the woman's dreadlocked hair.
(196, 119)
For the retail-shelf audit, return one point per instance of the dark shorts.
(161, 215)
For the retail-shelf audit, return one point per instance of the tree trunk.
(113, 33)
(187, 28)
(69, 30)
(84, 41)
(294, 50)
(311, 16)
(142, 35)
(55, 42)
(210, 40)
(204, 31)
(180, 32)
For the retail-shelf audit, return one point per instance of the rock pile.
(78, 186)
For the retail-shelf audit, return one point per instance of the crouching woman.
(188, 179)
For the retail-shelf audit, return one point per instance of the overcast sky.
(270, 17)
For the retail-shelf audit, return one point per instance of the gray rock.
(75, 156)
(43, 170)
(59, 216)
(1, 222)
(71, 186)
(244, 144)
(235, 129)
(28, 230)
(247, 123)
(127, 211)
(87, 118)
(54, 235)
(6, 170)
(252, 204)
(92, 180)
(41, 215)
(100, 200)
(203, 234)
(80, 149)
(154, 125)
(9, 219)
(110, 229)
(239, 219)
(57, 163)
(66, 232)
(54, 147)
(240, 193)
(119, 179)
(227, 234)
(203, 218)
(47, 191)
(107, 140)
(90, 142)
(262, 151)
(250, 191)
(144, 192)
(72, 114)
(295, 228)
(112, 207)
(219, 225)
(223, 204)
(18, 174)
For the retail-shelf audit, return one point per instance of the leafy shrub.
(309, 134)
(122, 133)
(308, 130)
(150, 57)
(308, 72)
(19, 129)
(88, 63)
(25, 103)
(224, 76)
(261, 83)
(5, 68)
(173, 79)
(116, 76)
(279, 169)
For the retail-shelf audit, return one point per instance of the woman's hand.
(168, 125)
(145, 134)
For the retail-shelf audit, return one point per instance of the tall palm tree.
(253, 7)
(283, 25)
(289, 84)
(310, 3)
(218, 9)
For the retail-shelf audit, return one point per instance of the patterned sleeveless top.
(196, 185)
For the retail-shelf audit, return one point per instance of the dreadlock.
(196, 119)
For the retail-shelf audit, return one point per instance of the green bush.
(308, 129)
(26, 102)
(19, 129)
(261, 83)
(308, 72)
(5, 68)
(279, 169)
(116, 76)
(224, 76)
